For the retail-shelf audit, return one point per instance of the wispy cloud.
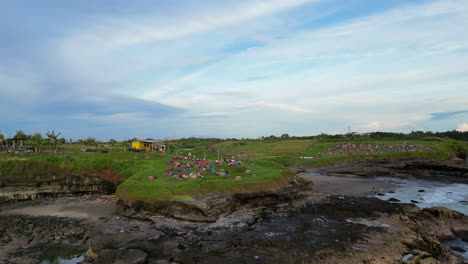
(213, 114)
(257, 78)
(133, 31)
(283, 107)
(446, 115)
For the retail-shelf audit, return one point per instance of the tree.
(112, 141)
(54, 139)
(2, 137)
(90, 141)
(285, 136)
(20, 135)
(37, 141)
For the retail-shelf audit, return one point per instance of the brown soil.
(109, 175)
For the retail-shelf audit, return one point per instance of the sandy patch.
(68, 207)
(349, 185)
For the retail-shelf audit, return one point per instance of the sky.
(245, 68)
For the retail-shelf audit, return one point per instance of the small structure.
(148, 145)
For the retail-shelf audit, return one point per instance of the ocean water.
(429, 193)
(458, 243)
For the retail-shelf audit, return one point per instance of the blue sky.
(122, 69)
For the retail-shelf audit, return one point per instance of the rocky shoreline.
(295, 225)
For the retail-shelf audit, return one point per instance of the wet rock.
(428, 261)
(217, 247)
(421, 190)
(458, 249)
(393, 200)
(160, 261)
(126, 256)
(414, 201)
(464, 236)
(439, 224)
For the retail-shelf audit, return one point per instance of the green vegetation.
(266, 158)
(263, 175)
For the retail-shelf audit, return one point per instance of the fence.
(33, 154)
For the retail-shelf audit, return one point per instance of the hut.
(148, 145)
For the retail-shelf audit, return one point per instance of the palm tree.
(54, 139)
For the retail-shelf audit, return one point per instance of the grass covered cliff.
(264, 163)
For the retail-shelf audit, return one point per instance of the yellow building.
(148, 145)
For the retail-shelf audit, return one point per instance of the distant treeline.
(192, 142)
(414, 135)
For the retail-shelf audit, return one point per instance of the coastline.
(262, 231)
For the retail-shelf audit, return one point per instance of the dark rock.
(458, 249)
(393, 200)
(128, 256)
(421, 190)
(464, 236)
(414, 201)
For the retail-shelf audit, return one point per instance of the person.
(227, 175)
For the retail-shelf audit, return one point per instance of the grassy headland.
(264, 163)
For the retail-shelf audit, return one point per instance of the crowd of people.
(193, 168)
(366, 149)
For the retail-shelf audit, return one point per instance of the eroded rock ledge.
(58, 184)
(452, 171)
(210, 207)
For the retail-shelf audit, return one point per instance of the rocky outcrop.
(441, 223)
(58, 184)
(451, 171)
(210, 207)
(313, 229)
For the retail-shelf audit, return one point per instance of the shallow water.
(429, 193)
(458, 243)
(60, 260)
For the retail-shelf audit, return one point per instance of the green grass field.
(267, 160)
(261, 150)
(263, 175)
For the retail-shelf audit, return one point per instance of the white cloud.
(109, 34)
(463, 127)
(284, 107)
(212, 114)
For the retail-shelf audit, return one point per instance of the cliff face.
(58, 184)
(210, 207)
